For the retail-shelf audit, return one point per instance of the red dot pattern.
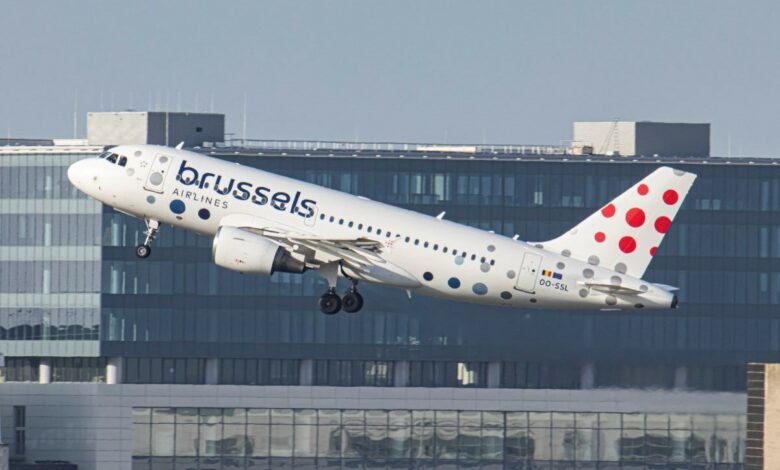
(662, 224)
(627, 244)
(635, 217)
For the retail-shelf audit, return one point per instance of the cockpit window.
(104, 154)
(122, 161)
(112, 158)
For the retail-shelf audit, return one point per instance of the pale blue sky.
(460, 71)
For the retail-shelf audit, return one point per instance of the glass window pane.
(258, 439)
(141, 439)
(162, 439)
(281, 437)
(186, 439)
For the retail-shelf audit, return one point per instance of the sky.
(413, 71)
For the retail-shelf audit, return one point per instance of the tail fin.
(625, 233)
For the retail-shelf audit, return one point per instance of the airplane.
(263, 223)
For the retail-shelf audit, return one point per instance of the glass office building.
(255, 438)
(77, 306)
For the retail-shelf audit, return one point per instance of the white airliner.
(264, 223)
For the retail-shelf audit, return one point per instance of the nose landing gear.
(145, 249)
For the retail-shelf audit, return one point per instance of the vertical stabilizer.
(624, 234)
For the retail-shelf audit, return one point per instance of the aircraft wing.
(358, 257)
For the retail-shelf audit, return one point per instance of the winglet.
(181, 144)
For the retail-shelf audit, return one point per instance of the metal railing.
(394, 147)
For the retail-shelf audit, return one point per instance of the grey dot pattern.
(491, 248)
(539, 245)
(621, 268)
(678, 172)
(643, 288)
(130, 172)
(155, 178)
(150, 199)
(459, 260)
(510, 274)
(566, 253)
(163, 159)
(616, 280)
(137, 153)
(587, 273)
(611, 300)
(484, 267)
(583, 293)
(479, 288)
(560, 265)
(594, 260)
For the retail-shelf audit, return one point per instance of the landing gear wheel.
(143, 251)
(352, 302)
(330, 303)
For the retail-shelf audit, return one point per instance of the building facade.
(77, 306)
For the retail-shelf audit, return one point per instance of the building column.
(400, 373)
(681, 378)
(44, 370)
(307, 372)
(114, 370)
(494, 375)
(212, 371)
(587, 376)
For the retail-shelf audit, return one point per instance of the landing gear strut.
(145, 249)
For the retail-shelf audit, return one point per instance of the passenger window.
(360, 226)
(388, 234)
(351, 224)
(417, 242)
(435, 247)
(123, 161)
(473, 257)
(425, 244)
(322, 216)
(407, 239)
(331, 219)
(444, 250)
(341, 221)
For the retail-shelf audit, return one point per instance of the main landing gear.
(144, 250)
(351, 302)
(330, 303)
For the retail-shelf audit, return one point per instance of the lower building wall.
(99, 426)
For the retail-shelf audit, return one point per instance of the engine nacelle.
(247, 252)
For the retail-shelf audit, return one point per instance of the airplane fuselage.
(421, 253)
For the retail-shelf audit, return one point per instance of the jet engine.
(247, 252)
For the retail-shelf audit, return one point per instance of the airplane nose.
(76, 173)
